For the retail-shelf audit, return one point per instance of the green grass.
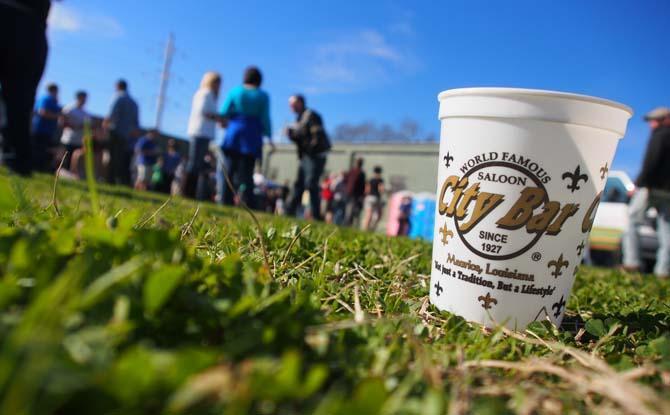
(155, 306)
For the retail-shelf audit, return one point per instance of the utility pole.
(165, 77)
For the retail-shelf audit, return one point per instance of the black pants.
(165, 185)
(42, 148)
(196, 181)
(240, 171)
(119, 160)
(23, 53)
(309, 174)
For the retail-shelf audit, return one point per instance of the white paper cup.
(519, 181)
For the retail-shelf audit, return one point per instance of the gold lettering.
(540, 222)
(550, 220)
(486, 202)
(449, 182)
(587, 223)
(568, 210)
(521, 212)
(462, 184)
(468, 195)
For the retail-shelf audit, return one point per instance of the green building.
(406, 166)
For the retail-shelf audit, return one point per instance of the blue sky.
(383, 61)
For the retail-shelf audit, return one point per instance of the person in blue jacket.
(45, 124)
(247, 113)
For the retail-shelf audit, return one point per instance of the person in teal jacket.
(247, 111)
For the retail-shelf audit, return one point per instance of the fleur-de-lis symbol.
(580, 248)
(575, 177)
(558, 264)
(487, 301)
(446, 234)
(603, 171)
(447, 160)
(438, 288)
(558, 307)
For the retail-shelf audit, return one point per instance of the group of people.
(57, 142)
(220, 167)
(346, 198)
(245, 118)
(348, 195)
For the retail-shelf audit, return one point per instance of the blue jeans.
(309, 173)
(240, 171)
(339, 208)
(631, 240)
(196, 168)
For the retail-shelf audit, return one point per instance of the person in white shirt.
(74, 117)
(201, 130)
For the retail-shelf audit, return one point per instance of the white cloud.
(353, 61)
(65, 18)
(364, 43)
(61, 18)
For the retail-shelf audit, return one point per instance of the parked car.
(612, 221)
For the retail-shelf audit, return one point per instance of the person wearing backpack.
(312, 145)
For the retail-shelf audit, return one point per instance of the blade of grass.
(259, 228)
(54, 198)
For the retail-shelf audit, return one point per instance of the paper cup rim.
(502, 91)
(537, 105)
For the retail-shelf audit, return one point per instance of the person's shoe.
(662, 276)
(631, 269)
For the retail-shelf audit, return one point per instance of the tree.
(367, 131)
